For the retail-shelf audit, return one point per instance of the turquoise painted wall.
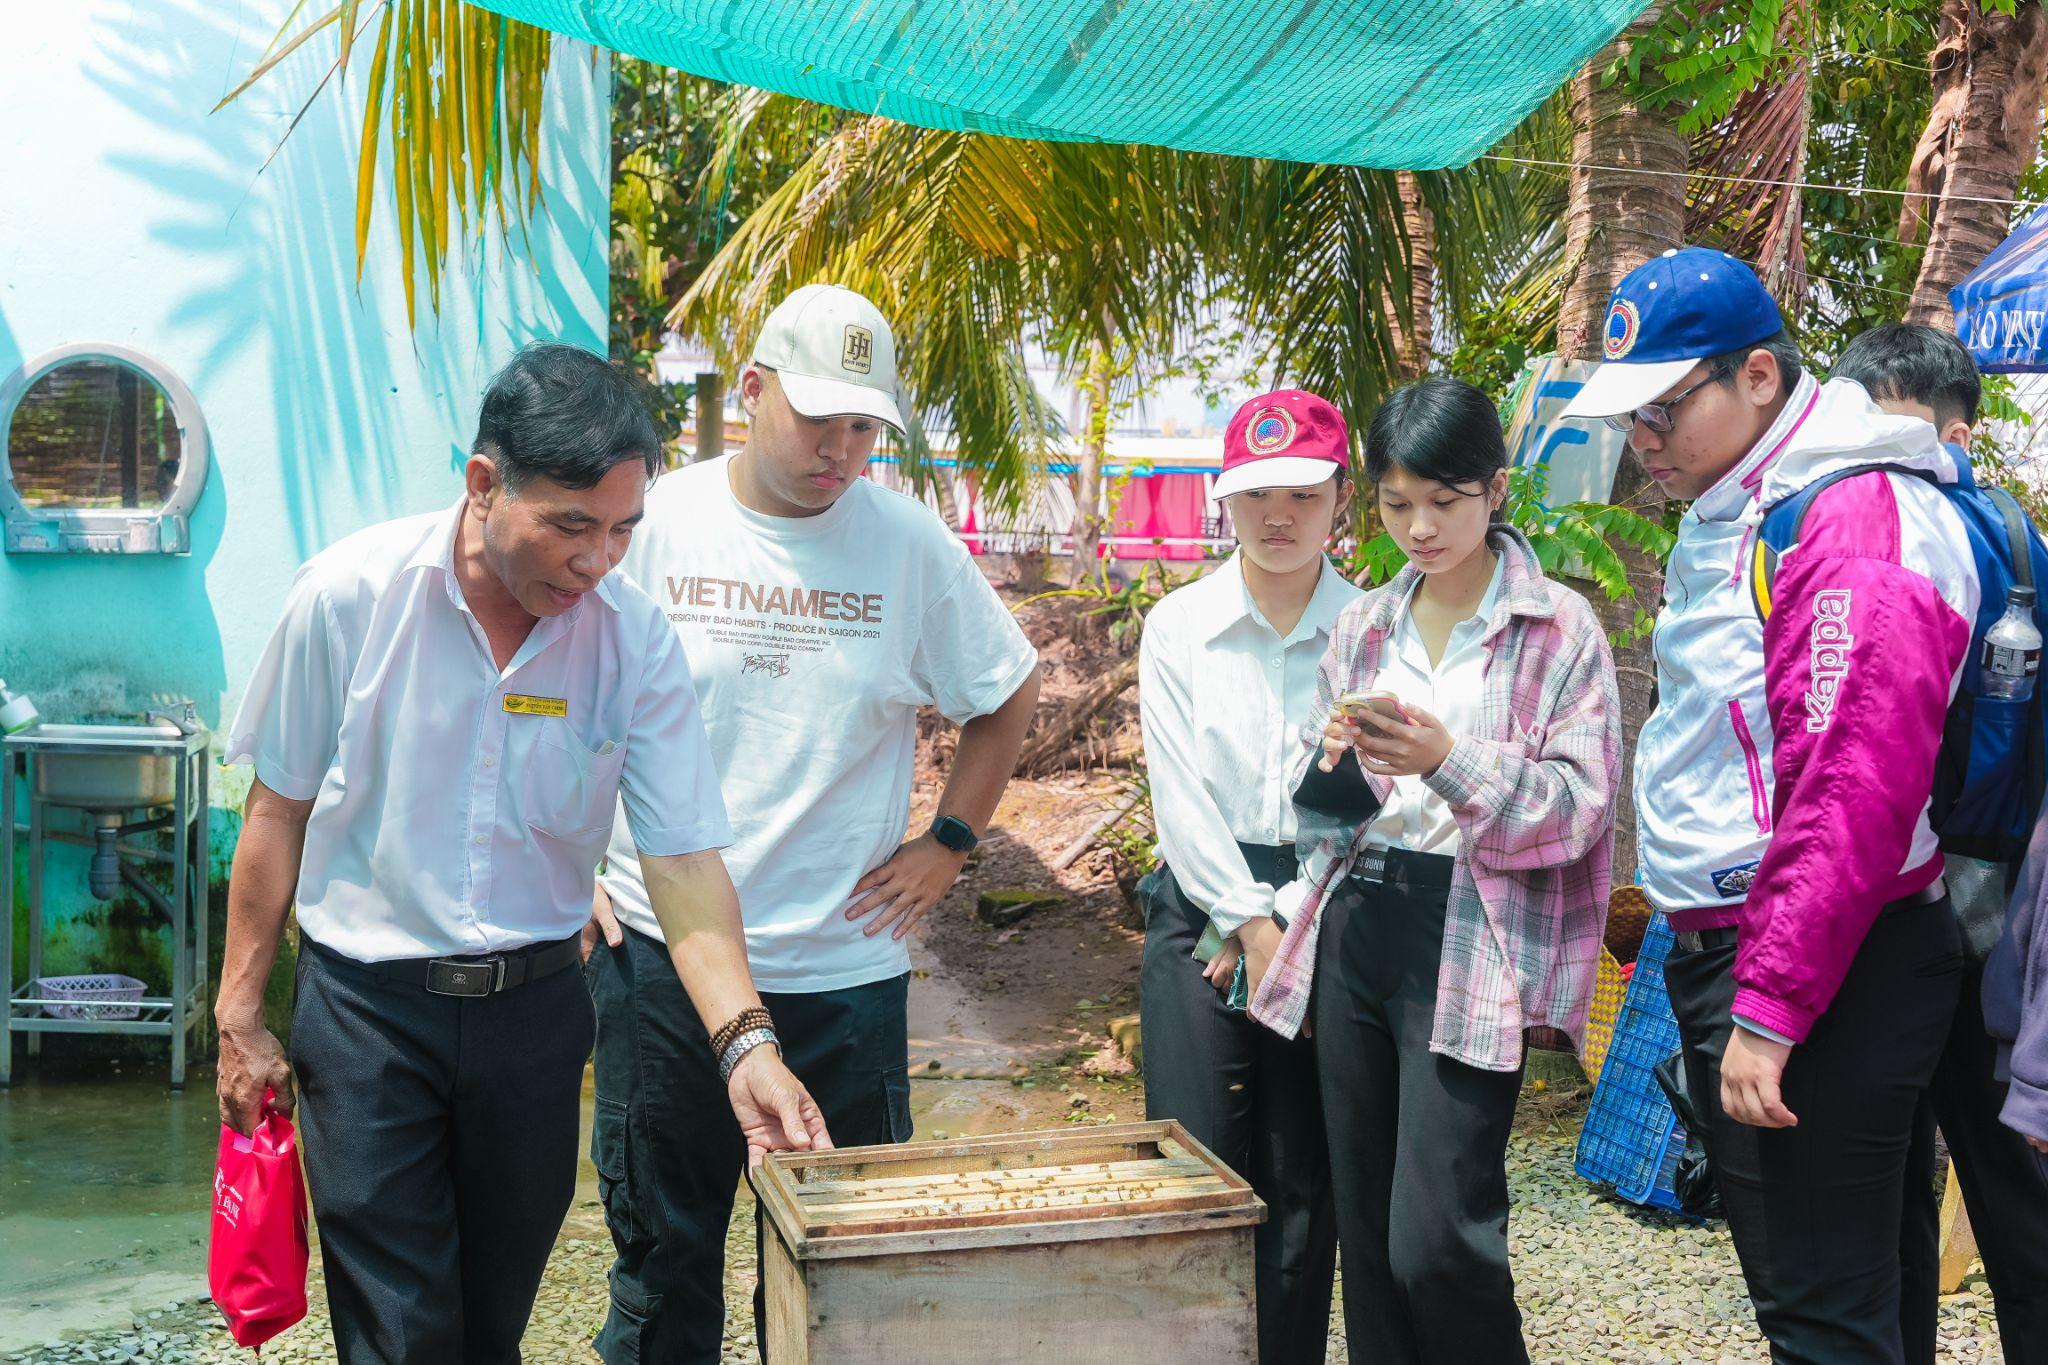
(130, 214)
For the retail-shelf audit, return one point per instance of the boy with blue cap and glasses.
(1783, 784)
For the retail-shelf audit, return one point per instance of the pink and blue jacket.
(1782, 784)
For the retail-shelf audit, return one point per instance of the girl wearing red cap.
(1227, 671)
(1456, 806)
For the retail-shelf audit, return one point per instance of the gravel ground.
(1009, 1022)
(1600, 1281)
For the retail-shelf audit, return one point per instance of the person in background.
(2016, 1008)
(1783, 785)
(1927, 373)
(1226, 674)
(1459, 836)
(819, 611)
(441, 728)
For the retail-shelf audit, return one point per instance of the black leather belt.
(1693, 941)
(470, 976)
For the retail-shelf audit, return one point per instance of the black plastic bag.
(1693, 1182)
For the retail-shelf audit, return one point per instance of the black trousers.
(1418, 1142)
(440, 1150)
(2004, 1191)
(1250, 1096)
(669, 1154)
(1815, 1209)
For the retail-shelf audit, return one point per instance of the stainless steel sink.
(107, 768)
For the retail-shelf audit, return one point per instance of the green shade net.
(1398, 83)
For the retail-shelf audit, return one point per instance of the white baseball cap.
(833, 353)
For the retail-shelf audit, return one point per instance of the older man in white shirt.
(441, 728)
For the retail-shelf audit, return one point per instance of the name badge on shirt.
(520, 705)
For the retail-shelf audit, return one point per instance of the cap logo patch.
(1623, 326)
(858, 354)
(1272, 429)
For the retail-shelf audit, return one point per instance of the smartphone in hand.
(1361, 705)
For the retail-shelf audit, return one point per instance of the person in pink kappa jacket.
(1782, 785)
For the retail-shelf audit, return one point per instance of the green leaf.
(453, 92)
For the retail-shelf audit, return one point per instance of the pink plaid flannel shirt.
(1533, 794)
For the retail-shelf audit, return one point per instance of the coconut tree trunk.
(1627, 193)
(1087, 529)
(1617, 217)
(1982, 133)
(1412, 338)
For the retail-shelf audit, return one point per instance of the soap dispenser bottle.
(17, 713)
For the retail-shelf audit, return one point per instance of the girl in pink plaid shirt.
(1457, 847)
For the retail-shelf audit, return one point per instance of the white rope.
(1756, 180)
(1064, 539)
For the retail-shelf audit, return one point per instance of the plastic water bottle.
(16, 713)
(2012, 650)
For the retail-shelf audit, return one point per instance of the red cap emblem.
(1271, 429)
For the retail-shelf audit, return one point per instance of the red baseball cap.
(1285, 439)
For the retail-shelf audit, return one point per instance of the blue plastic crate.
(1632, 1139)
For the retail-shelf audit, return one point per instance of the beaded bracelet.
(750, 1018)
(738, 1048)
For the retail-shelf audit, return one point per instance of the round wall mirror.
(103, 452)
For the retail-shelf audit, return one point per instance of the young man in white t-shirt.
(818, 611)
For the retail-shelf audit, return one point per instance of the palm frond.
(455, 94)
(1507, 254)
(1760, 136)
(976, 247)
(1315, 252)
(928, 225)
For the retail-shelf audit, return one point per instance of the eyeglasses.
(1655, 416)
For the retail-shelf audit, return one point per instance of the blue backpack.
(1989, 775)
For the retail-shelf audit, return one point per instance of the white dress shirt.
(1414, 817)
(460, 809)
(1222, 698)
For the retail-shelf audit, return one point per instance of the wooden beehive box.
(1124, 1243)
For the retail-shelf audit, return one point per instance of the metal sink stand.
(171, 1016)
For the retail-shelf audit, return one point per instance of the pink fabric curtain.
(970, 518)
(1163, 506)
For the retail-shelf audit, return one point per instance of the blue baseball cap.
(1670, 313)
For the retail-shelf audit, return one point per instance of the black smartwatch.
(954, 833)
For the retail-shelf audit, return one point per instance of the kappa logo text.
(1829, 643)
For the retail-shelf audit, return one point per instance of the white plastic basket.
(99, 995)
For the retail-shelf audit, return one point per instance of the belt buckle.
(445, 976)
(1688, 940)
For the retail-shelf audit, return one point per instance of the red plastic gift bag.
(256, 1265)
